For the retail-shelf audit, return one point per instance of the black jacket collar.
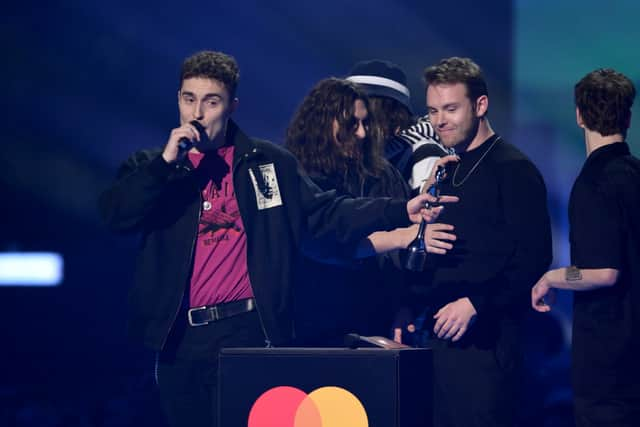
(245, 147)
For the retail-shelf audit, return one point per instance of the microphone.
(351, 340)
(185, 144)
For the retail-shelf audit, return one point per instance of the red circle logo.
(291, 407)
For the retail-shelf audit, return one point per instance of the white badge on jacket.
(269, 196)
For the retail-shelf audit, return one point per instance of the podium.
(386, 388)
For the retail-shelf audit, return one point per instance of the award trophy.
(417, 249)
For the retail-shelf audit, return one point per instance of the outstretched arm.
(438, 239)
(571, 278)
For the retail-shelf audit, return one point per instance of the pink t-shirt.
(220, 272)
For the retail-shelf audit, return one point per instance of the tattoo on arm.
(572, 274)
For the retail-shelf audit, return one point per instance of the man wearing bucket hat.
(410, 145)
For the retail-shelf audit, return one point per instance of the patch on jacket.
(266, 186)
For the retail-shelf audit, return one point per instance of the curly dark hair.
(604, 98)
(389, 116)
(212, 65)
(458, 70)
(311, 139)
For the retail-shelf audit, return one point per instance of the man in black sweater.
(604, 218)
(477, 293)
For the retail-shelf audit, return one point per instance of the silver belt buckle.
(190, 318)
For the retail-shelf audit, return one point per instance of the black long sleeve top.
(503, 231)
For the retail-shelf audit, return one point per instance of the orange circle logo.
(291, 407)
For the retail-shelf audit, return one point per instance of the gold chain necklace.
(455, 173)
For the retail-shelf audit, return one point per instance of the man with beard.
(477, 293)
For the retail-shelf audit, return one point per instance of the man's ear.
(482, 106)
(579, 120)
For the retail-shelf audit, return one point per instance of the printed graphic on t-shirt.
(266, 189)
(221, 218)
(220, 272)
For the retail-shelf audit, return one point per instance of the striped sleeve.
(423, 160)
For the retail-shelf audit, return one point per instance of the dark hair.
(604, 98)
(310, 134)
(458, 70)
(388, 115)
(212, 65)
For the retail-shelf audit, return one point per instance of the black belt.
(199, 316)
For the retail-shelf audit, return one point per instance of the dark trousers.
(474, 386)
(187, 369)
(607, 411)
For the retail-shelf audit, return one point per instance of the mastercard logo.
(291, 407)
